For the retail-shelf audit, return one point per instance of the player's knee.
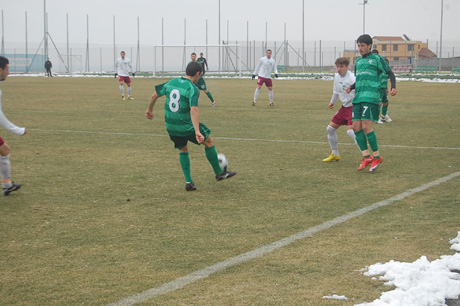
(4, 150)
(330, 129)
(209, 142)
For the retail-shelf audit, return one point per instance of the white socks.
(270, 95)
(5, 169)
(256, 94)
(351, 133)
(333, 140)
(122, 89)
(129, 91)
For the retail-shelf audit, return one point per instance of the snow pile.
(335, 297)
(421, 282)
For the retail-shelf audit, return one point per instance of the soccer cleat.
(123, 98)
(364, 163)
(225, 174)
(272, 104)
(387, 118)
(214, 104)
(375, 164)
(332, 157)
(381, 120)
(130, 98)
(254, 103)
(14, 187)
(190, 187)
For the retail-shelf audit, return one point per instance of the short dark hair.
(3, 62)
(386, 60)
(375, 51)
(201, 53)
(365, 38)
(268, 50)
(193, 53)
(193, 68)
(342, 61)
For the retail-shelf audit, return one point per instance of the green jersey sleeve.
(160, 89)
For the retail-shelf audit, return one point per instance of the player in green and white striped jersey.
(366, 108)
(183, 124)
(383, 91)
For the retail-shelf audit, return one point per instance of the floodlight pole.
(162, 43)
(364, 14)
(440, 42)
(68, 49)
(303, 36)
(45, 30)
(27, 49)
(114, 48)
(219, 41)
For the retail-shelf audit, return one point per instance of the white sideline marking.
(240, 139)
(205, 272)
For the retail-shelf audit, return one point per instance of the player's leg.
(128, 83)
(370, 117)
(5, 169)
(385, 115)
(358, 110)
(333, 142)
(348, 116)
(210, 149)
(352, 135)
(211, 155)
(384, 106)
(122, 88)
(184, 160)
(269, 84)
(270, 96)
(181, 143)
(260, 82)
(208, 93)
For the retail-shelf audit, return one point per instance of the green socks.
(372, 138)
(185, 164)
(361, 140)
(210, 96)
(211, 155)
(384, 110)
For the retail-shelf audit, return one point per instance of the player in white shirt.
(265, 67)
(123, 68)
(5, 166)
(342, 79)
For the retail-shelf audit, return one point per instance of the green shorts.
(181, 141)
(201, 84)
(366, 111)
(383, 95)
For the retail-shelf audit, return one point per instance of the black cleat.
(190, 187)
(7, 191)
(225, 174)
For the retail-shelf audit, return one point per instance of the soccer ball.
(223, 162)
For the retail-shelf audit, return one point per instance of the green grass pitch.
(103, 213)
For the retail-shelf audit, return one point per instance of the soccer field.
(103, 214)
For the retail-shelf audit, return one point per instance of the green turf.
(103, 213)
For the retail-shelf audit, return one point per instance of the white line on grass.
(205, 272)
(239, 139)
